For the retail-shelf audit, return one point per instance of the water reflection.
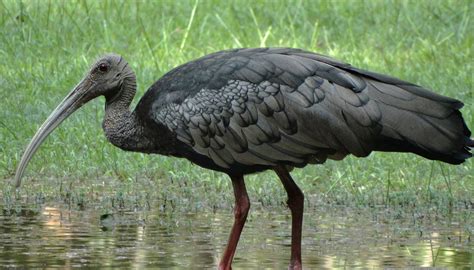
(55, 237)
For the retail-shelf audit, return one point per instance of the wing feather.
(271, 106)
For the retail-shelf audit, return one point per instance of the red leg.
(242, 206)
(296, 205)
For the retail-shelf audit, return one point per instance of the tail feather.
(419, 121)
(414, 119)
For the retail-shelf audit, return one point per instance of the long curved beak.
(73, 101)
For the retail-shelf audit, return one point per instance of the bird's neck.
(122, 127)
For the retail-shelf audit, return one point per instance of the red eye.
(103, 67)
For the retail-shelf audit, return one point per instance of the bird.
(248, 110)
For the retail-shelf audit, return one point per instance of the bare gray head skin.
(105, 78)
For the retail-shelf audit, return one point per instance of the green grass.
(47, 46)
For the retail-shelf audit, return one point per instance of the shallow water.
(53, 236)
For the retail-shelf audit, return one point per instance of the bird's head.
(105, 78)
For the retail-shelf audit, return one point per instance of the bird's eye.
(103, 67)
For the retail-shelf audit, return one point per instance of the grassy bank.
(46, 46)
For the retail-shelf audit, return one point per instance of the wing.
(275, 108)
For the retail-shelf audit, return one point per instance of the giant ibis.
(244, 111)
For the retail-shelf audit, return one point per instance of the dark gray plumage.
(248, 110)
(270, 106)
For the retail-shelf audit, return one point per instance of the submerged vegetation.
(46, 46)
